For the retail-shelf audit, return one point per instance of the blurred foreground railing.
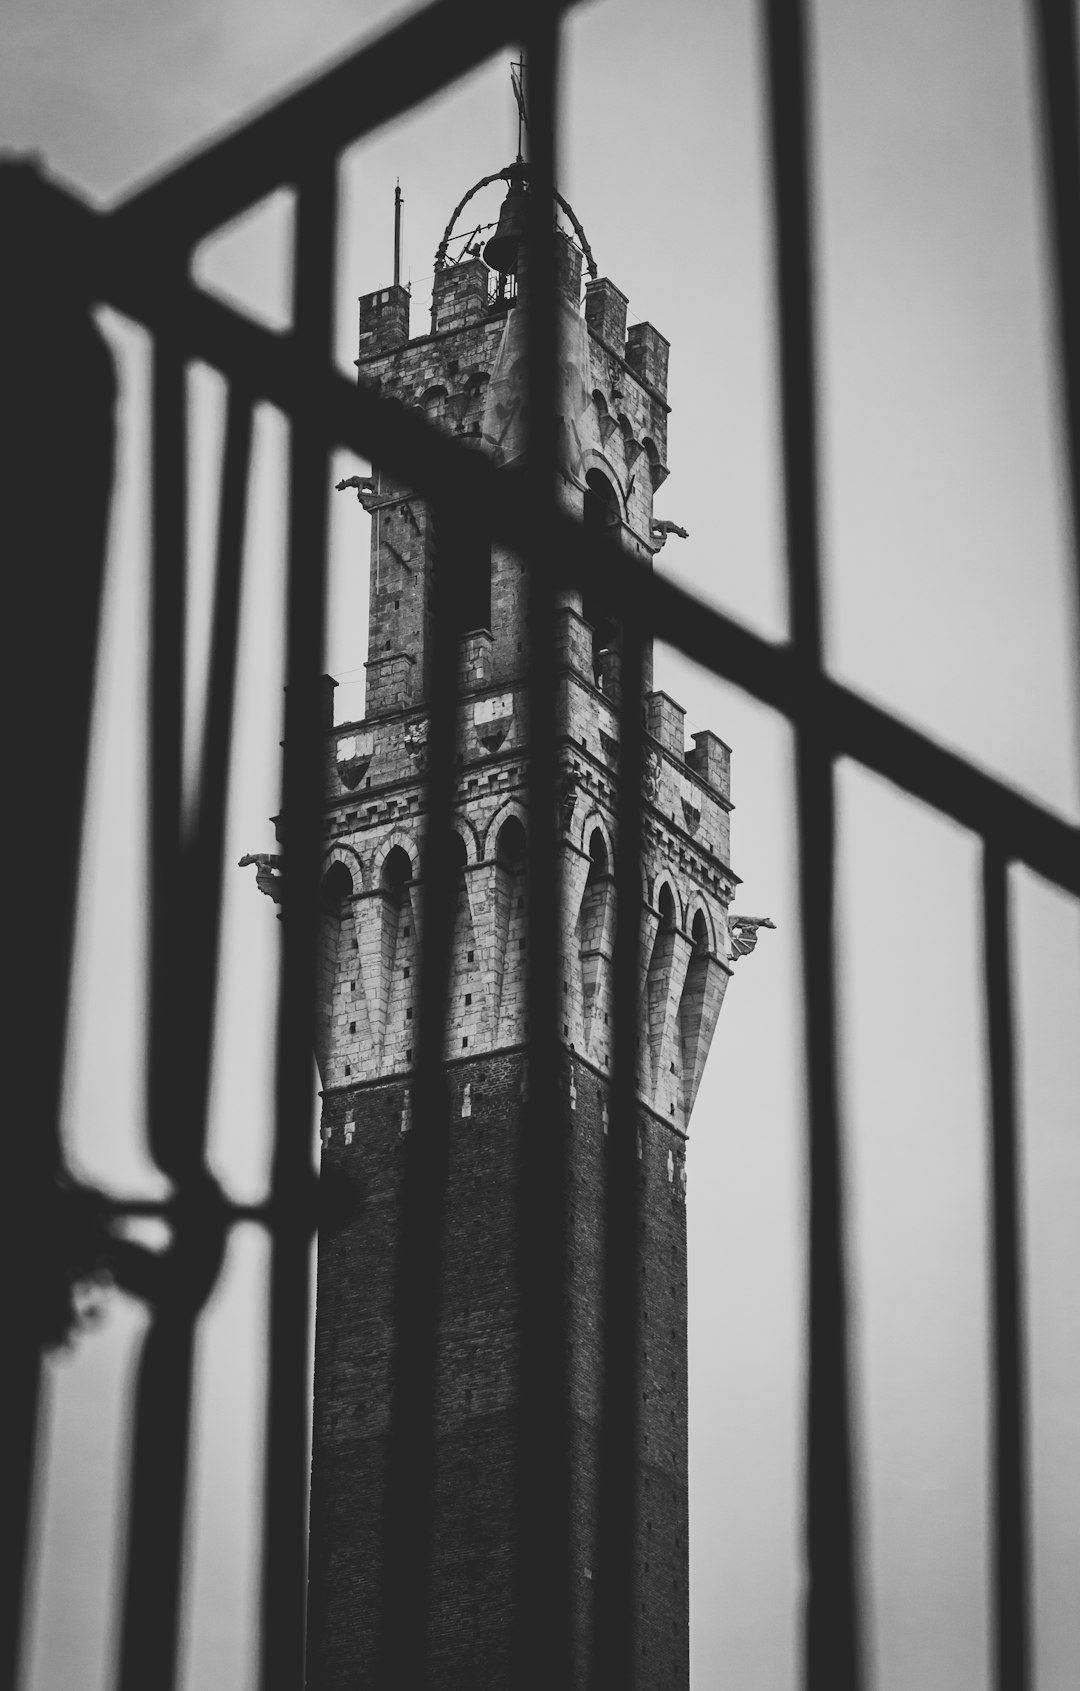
(63, 260)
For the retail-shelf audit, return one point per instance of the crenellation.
(465, 377)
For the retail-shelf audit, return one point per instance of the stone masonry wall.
(375, 830)
(364, 1132)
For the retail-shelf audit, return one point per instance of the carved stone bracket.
(566, 796)
(650, 784)
(268, 876)
(744, 933)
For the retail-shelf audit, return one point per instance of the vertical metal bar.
(1055, 29)
(292, 1180)
(831, 1605)
(163, 1403)
(168, 616)
(1009, 1435)
(55, 551)
(411, 1472)
(216, 754)
(789, 125)
(185, 941)
(614, 1640)
(542, 1643)
(831, 1619)
(199, 888)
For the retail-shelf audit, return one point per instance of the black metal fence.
(63, 259)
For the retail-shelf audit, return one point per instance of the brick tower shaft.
(464, 375)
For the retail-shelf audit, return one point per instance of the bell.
(501, 252)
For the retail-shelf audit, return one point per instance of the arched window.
(397, 986)
(699, 935)
(511, 846)
(697, 1012)
(337, 889)
(665, 904)
(658, 979)
(601, 502)
(396, 873)
(466, 982)
(511, 929)
(337, 967)
(602, 516)
(598, 856)
(594, 936)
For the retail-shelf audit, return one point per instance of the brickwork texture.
(371, 947)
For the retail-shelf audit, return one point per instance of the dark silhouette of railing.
(63, 259)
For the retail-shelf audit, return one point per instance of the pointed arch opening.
(658, 978)
(511, 925)
(465, 993)
(699, 1005)
(595, 925)
(338, 971)
(396, 874)
(399, 948)
(603, 515)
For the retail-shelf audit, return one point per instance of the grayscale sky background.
(948, 601)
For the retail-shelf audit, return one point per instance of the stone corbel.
(744, 933)
(268, 876)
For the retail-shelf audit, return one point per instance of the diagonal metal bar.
(416, 452)
(292, 1177)
(1010, 1550)
(380, 81)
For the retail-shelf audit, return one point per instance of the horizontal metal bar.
(384, 79)
(351, 416)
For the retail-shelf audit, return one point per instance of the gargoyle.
(661, 527)
(744, 932)
(366, 489)
(268, 876)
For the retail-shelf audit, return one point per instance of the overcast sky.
(946, 557)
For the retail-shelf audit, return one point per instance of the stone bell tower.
(465, 375)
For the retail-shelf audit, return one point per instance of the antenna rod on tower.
(397, 235)
(517, 83)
